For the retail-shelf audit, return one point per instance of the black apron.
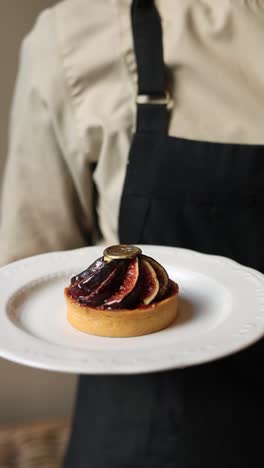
(202, 196)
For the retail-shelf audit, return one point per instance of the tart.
(123, 293)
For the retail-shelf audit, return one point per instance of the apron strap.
(152, 100)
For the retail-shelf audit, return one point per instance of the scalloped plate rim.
(104, 363)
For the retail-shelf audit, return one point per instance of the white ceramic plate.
(221, 312)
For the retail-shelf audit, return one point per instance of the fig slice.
(150, 285)
(162, 276)
(97, 296)
(94, 289)
(127, 285)
(88, 281)
(86, 275)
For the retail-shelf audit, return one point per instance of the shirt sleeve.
(40, 207)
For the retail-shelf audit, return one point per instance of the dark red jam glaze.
(120, 284)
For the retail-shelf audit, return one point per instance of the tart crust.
(123, 322)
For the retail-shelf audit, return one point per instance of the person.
(141, 122)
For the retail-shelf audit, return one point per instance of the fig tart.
(123, 293)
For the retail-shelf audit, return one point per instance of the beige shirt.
(74, 106)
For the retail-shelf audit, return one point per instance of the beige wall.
(24, 393)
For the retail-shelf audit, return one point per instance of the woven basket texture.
(34, 445)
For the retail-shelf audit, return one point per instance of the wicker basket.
(38, 445)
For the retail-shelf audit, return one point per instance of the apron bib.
(197, 195)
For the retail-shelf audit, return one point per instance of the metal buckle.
(148, 99)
